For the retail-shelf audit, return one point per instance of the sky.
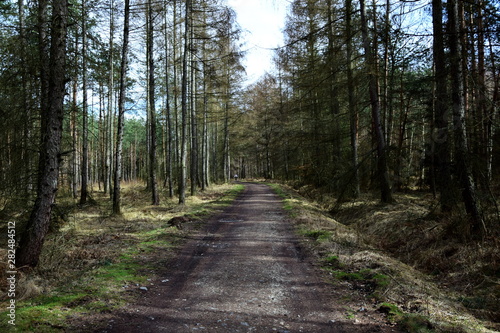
(262, 22)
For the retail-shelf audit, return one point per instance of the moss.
(415, 323)
(333, 262)
(394, 314)
(318, 235)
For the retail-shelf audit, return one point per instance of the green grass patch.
(394, 314)
(289, 203)
(408, 322)
(114, 253)
(318, 235)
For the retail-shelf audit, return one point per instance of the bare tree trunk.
(121, 113)
(33, 238)
(465, 177)
(85, 130)
(439, 136)
(108, 150)
(183, 160)
(352, 100)
(383, 174)
(74, 132)
(155, 198)
(194, 125)
(168, 119)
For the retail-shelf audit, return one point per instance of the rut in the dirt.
(244, 273)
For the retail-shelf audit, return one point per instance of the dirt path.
(244, 273)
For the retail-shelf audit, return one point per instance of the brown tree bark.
(382, 170)
(353, 114)
(155, 198)
(33, 237)
(121, 112)
(85, 134)
(184, 87)
(440, 135)
(465, 177)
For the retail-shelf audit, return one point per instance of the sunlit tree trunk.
(121, 112)
(168, 119)
(108, 151)
(194, 124)
(184, 101)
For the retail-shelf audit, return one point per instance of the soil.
(246, 271)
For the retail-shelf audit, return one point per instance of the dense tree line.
(96, 92)
(365, 96)
(383, 96)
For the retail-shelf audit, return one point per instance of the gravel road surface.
(245, 272)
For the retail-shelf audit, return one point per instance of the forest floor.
(239, 266)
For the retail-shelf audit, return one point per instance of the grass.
(95, 262)
(388, 252)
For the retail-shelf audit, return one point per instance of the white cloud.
(262, 22)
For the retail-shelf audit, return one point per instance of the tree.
(383, 174)
(151, 106)
(85, 130)
(465, 177)
(184, 107)
(353, 119)
(441, 156)
(121, 112)
(33, 237)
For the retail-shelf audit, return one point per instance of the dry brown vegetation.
(90, 255)
(433, 272)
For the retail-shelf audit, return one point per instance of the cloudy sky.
(262, 22)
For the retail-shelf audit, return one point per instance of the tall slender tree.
(121, 111)
(33, 237)
(465, 177)
(155, 198)
(382, 170)
(441, 153)
(85, 129)
(184, 107)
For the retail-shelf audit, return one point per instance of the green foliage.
(332, 262)
(318, 235)
(394, 314)
(408, 322)
(415, 323)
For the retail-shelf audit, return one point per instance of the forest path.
(244, 273)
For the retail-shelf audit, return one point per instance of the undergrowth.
(94, 262)
(404, 260)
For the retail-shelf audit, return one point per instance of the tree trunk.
(121, 113)
(184, 87)
(85, 130)
(383, 174)
(155, 198)
(108, 150)
(33, 237)
(352, 100)
(168, 119)
(465, 177)
(194, 125)
(439, 136)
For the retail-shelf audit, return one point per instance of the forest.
(376, 98)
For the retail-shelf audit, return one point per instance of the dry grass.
(90, 238)
(454, 284)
